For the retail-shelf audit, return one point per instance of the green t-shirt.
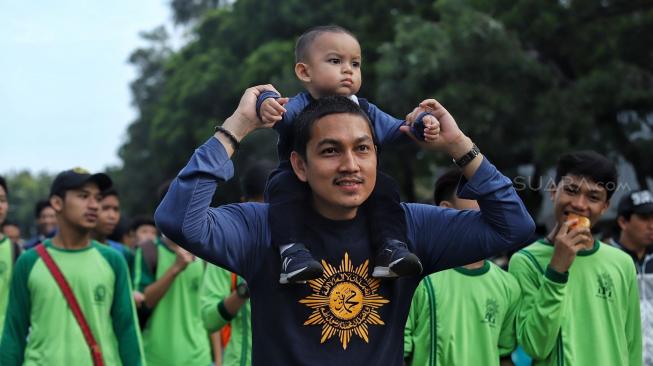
(40, 328)
(462, 317)
(6, 267)
(588, 317)
(217, 285)
(174, 333)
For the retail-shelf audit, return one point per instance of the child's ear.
(302, 71)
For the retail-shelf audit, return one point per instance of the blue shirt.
(346, 317)
(386, 127)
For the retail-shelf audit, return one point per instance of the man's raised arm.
(229, 235)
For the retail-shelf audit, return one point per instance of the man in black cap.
(38, 312)
(635, 220)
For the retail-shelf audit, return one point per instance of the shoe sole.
(407, 266)
(301, 275)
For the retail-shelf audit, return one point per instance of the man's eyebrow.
(365, 138)
(328, 141)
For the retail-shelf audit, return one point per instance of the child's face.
(333, 66)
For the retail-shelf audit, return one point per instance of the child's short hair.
(307, 38)
(588, 164)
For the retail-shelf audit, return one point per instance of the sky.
(64, 80)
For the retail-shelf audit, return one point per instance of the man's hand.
(566, 244)
(244, 119)
(272, 110)
(184, 258)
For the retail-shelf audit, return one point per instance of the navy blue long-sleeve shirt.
(346, 317)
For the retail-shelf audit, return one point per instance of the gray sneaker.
(395, 260)
(298, 265)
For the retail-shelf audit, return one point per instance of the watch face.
(242, 290)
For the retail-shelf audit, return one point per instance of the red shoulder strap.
(96, 353)
(234, 281)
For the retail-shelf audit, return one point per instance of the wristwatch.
(242, 290)
(467, 158)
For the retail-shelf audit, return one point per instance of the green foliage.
(526, 79)
(25, 189)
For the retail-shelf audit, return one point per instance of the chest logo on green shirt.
(491, 311)
(344, 301)
(99, 294)
(606, 286)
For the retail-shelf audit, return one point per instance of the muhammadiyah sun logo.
(344, 301)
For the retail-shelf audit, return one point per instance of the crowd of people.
(321, 263)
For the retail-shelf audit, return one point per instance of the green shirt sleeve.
(418, 307)
(17, 321)
(123, 312)
(542, 307)
(633, 321)
(508, 336)
(216, 286)
(143, 275)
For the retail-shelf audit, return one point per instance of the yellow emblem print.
(344, 301)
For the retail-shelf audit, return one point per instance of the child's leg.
(388, 231)
(286, 195)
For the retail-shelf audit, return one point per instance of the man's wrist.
(459, 147)
(236, 127)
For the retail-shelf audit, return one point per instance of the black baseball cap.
(77, 177)
(638, 202)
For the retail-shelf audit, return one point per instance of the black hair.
(318, 109)
(446, 186)
(255, 177)
(141, 220)
(40, 206)
(588, 164)
(110, 192)
(3, 184)
(305, 41)
(119, 231)
(9, 223)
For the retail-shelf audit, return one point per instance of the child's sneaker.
(298, 265)
(395, 260)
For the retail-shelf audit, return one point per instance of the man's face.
(13, 232)
(638, 230)
(340, 165)
(334, 65)
(574, 194)
(108, 216)
(47, 220)
(145, 233)
(4, 204)
(79, 207)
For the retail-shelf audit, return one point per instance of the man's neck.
(99, 237)
(628, 244)
(71, 238)
(475, 265)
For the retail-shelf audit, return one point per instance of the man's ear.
(57, 203)
(446, 204)
(605, 207)
(302, 71)
(621, 221)
(298, 166)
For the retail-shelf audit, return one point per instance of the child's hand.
(272, 110)
(431, 128)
